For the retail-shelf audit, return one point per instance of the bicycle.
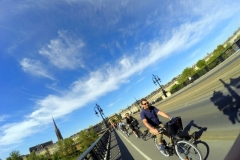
(185, 150)
(135, 126)
(124, 130)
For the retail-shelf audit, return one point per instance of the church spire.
(57, 131)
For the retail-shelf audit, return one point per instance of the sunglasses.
(145, 103)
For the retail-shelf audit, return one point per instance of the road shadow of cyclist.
(195, 137)
(228, 104)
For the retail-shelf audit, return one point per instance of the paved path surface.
(132, 148)
(118, 150)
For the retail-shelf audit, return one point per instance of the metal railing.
(99, 150)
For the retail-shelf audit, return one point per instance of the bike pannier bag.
(134, 123)
(174, 127)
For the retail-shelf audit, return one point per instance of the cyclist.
(122, 126)
(149, 117)
(129, 120)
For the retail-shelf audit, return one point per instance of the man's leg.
(164, 133)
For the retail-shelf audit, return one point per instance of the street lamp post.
(156, 81)
(101, 113)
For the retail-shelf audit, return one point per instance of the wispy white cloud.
(64, 52)
(141, 79)
(13, 133)
(3, 118)
(35, 68)
(113, 103)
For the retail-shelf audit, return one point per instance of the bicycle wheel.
(165, 153)
(187, 151)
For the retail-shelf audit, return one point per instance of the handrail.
(99, 149)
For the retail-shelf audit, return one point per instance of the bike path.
(132, 148)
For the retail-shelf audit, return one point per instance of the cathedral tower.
(57, 131)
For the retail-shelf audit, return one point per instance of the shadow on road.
(195, 138)
(118, 150)
(228, 104)
(196, 134)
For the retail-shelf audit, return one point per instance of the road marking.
(144, 155)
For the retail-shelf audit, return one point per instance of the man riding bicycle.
(149, 116)
(129, 120)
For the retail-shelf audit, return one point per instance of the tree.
(15, 155)
(32, 156)
(201, 64)
(228, 45)
(61, 147)
(86, 138)
(69, 145)
(185, 74)
(119, 117)
(55, 156)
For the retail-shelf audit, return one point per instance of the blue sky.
(61, 57)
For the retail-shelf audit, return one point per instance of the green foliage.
(216, 53)
(33, 156)
(86, 138)
(176, 87)
(228, 45)
(119, 116)
(219, 50)
(69, 146)
(55, 156)
(201, 64)
(158, 99)
(66, 147)
(187, 72)
(14, 155)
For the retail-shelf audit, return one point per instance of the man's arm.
(151, 129)
(163, 114)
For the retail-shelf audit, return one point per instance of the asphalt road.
(132, 148)
(209, 107)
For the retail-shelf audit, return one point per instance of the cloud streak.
(64, 52)
(35, 67)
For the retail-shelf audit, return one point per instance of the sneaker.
(161, 147)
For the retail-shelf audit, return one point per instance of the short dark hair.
(143, 99)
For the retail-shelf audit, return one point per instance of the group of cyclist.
(149, 116)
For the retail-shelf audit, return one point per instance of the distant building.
(40, 146)
(47, 147)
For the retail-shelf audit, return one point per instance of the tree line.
(67, 148)
(190, 74)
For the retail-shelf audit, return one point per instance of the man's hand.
(154, 131)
